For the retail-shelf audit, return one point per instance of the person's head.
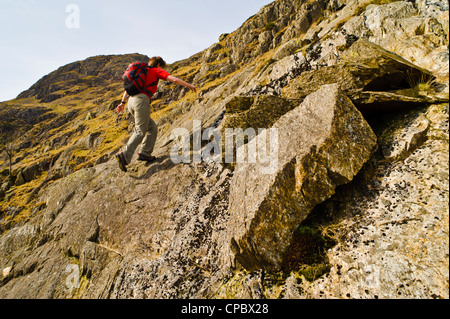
(157, 62)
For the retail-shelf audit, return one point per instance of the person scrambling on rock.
(140, 83)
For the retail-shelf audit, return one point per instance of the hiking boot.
(145, 158)
(122, 161)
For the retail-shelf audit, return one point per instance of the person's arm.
(122, 105)
(181, 82)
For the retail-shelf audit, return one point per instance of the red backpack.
(134, 79)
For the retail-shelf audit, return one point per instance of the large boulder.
(421, 39)
(375, 79)
(365, 67)
(323, 143)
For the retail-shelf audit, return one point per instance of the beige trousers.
(145, 129)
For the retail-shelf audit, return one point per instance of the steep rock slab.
(323, 143)
(156, 232)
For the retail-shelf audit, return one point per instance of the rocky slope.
(346, 197)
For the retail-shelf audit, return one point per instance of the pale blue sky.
(35, 39)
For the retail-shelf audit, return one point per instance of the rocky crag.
(355, 204)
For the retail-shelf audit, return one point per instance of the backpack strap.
(151, 84)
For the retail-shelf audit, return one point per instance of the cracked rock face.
(394, 240)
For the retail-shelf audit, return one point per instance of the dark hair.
(157, 60)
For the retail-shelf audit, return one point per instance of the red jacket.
(153, 76)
